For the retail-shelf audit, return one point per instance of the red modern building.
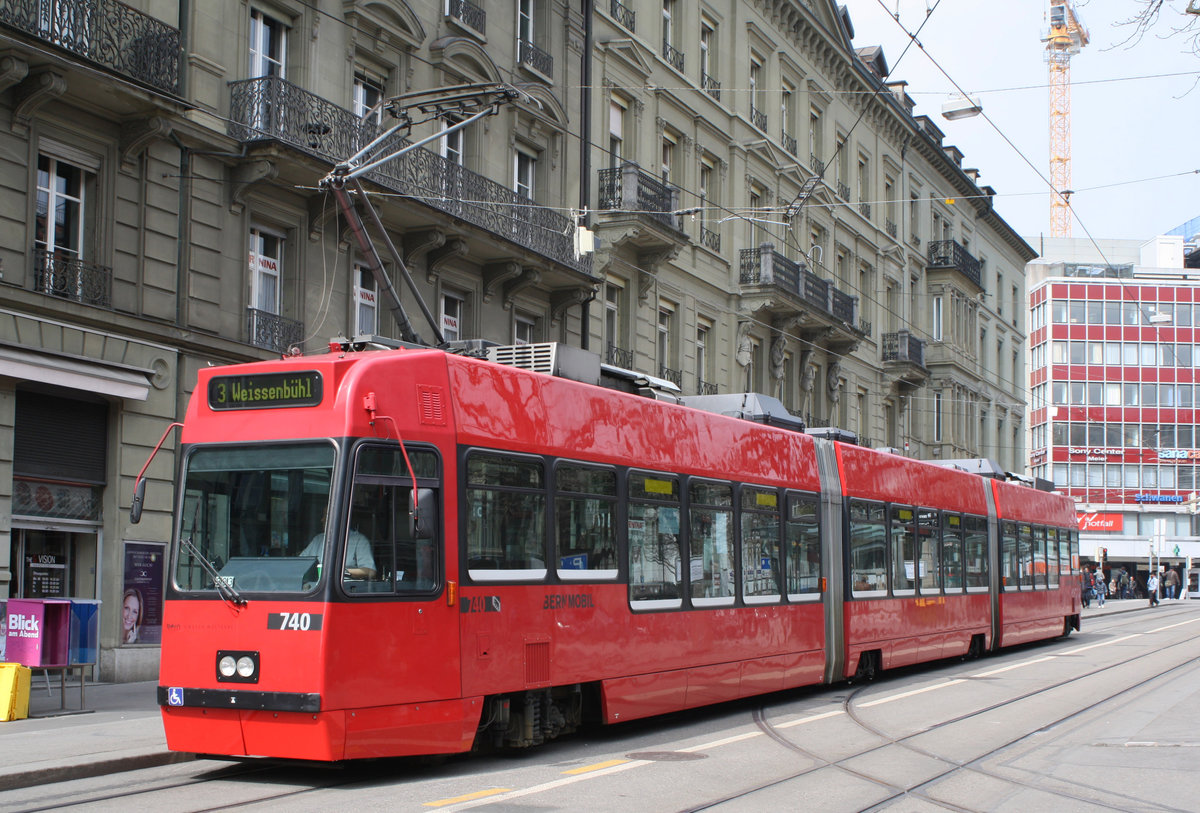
(1115, 394)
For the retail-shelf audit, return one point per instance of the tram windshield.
(256, 515)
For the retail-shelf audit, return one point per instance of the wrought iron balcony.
(758, 118)
(618, 357)
(864, 209)
(766, 267)
(672, 375)
(710, 239)
(902, 346)
(818, 166)
(891, 228)
(273, 332)
(73, 279)
(706, 387)
(468, 14)
(950, 254)
(533, 56)
(623, 14)
(106, 32)
(789, 143)
(711, 86)
(673, 55)
(843, 190)
(628, 188)
(271, 109)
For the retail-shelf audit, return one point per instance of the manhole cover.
(666, 756)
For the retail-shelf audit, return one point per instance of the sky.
(1131, 123)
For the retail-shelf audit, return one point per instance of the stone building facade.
(770, 214)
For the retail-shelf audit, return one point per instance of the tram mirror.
(424, 513)
(135, 508)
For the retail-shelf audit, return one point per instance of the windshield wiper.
(226, 590)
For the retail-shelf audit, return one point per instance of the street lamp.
(961, 107)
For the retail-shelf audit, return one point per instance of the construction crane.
(1066, 37)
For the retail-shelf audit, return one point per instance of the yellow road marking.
(480, 794)
(599, 766)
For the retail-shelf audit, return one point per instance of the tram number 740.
(300, 622)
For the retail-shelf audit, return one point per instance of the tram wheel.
(868, 667)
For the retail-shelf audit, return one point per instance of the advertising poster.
(3, 629)
(142, 600)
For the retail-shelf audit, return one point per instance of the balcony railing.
(672, 375)
(864, 209)
(818, 166)
(903, 347)
(789, 143)
(619, 357)
(623, 14)
(106, 32)
(890, 225)
(765, 266)
(711, 86)
(843, 190)
(758, 118)
(630, 189)
(273, 332)
(950, 254)
(270, 108)
(710, 239)
(468, 14)
(72, 279)
(706, 387)
(673, 55)
(533, 56)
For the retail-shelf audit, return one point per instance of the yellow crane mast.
(1066, 37)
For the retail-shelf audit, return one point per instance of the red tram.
(408, 551)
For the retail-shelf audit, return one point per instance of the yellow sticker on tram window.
(659, 486)
(953, 521)
(904, 513)
(768, 500)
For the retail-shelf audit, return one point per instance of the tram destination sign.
(265, 390)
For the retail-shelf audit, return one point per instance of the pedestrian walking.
(1101, 588)
(1152, 589)
(1172, 582)
(1087, 589)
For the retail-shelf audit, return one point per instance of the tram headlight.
(237, 666)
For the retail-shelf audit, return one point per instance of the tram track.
(975, 764)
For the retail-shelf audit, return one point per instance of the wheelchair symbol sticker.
(174, 696)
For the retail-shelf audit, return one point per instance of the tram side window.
(381, 519)
(1010, 565)
(868, 548)
(655, 557)
(506, 518)
(904, 550)
(952, 553)
(928, 543)
(976, 544)
(803, 547)
(762, 567)
(1025, 554)
(585, 516)
(1074, 550)
(1041, 565)
(1064, 552)
(711, 524)
(1052, 556)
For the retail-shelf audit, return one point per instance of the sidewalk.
(121, 730)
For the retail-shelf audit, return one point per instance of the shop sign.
(1179, 454)
(1158, 498)
(1096, 455)
(1100, 522)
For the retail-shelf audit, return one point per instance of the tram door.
(404, 570)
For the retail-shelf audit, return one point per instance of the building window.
(616, 131)
(758, 116)
(525, 20)
(937, 319)
(366, 302)
(666, 321)
(267, 46)
(524, 329)
(451, 143)
(816, 141)
(368, 96)
(668, 20)
(708, 56)
(613, 295)
(454, 309)
(61, 208)
(702, 352)
(524, 169)
(266, 268)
